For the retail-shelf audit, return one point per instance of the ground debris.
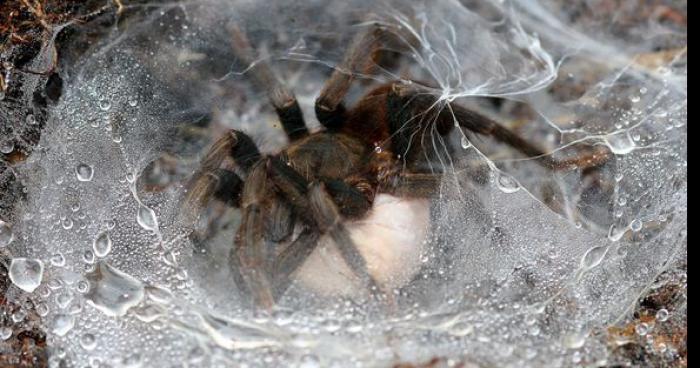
(657, 334)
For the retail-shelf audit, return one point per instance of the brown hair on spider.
(330, 186)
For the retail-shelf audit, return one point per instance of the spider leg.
(415, 185)
(211, 180)
(330, 110)
(250, 256)
(228, 187)
(480, 124)
(316, 207)
(266, 281)
(405, 102)
(282, 99)
(291, 259)
(279, 225)
(329, 221)
(350, 202)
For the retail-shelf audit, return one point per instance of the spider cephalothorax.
(324, 180)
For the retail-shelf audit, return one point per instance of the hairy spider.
(321, 187)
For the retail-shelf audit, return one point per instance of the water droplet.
(133, 101)
(82, 287)
(112, 291)
(89, 257)
(534, 330)
(620, 143)
(465, 142)
(42, 309)
(59, 352)
(622, 251)
(635, 99)
(62, 324)
(84, 172)
(575, 340)
(507, 184)
(67, 223)
(637, 225)
(110, 224)
(102, 245)
(75, 308)
(26, 273)
(594, 257)
(6, 235)
(650, 339)
(662, 315)
(461, 329)
(5, 333)
(88, 341)
(7, 147)
(55, 284)
(30, 119)
(63, 299)
(642, 329)
(146, 218)
(105, 105)
(44, 292)
(19, 316)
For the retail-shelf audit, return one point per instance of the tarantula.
(323, 180)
